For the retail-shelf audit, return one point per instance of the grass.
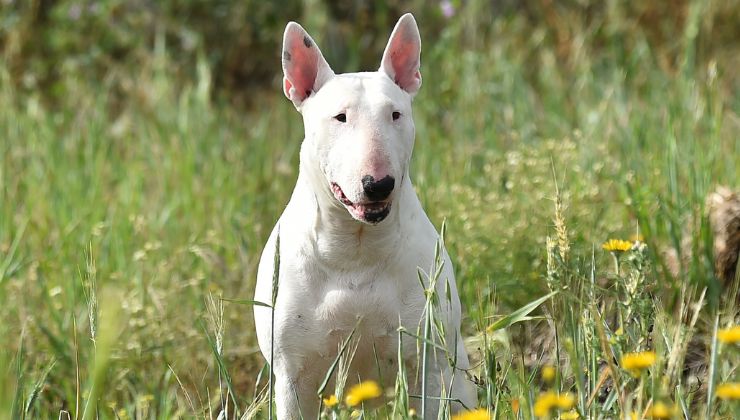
(123, 223)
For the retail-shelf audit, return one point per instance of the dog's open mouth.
(365, 212)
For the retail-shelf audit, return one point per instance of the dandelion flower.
(660, 410)
(617, 245)
(565, 401)
(479, 414)
(363, 391)
(547, 401)
(570, 415)
(637, 362)
(548, 373)
(412, 412)
(729, 391)
(544, 403)
(729, 335)
(331, 401)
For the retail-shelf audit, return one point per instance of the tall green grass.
(121, 218)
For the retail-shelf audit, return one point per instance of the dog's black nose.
(377, 190)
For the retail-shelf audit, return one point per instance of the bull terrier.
(354, 235)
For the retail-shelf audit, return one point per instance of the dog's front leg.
(295, 398)
(441, 384)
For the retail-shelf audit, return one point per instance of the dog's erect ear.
(402, 56)
(304, 68)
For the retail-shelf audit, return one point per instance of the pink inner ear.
(300, 63)
(404, 57)
(286, 86)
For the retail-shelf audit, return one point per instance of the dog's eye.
(396, 115)
(341, 117)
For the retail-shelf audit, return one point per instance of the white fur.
(335, 267)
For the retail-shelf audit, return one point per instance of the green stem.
(616, 263)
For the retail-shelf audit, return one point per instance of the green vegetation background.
(146, 150)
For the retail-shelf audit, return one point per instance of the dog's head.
(359, 127)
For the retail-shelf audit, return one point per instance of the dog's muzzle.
(370, 212)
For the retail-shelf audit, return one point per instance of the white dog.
(354, 234)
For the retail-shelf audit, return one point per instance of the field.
(134, 206)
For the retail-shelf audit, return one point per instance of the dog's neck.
(340, 241)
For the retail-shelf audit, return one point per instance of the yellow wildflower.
(549, 400)
(565, 401)
(617, 245)
(637, 362)
(729, 335)
(729, 391)
(331, 401)
(479, 414)
(660, 410)
(544, 403)
(412, 412)
(355, 414)
(570, 415)
(363, 391)
(548, 373)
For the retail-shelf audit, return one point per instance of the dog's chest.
(372, 303)
(373, 296)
